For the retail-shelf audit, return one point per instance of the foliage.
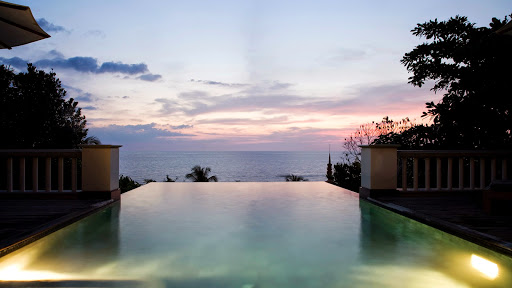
(34, 112)
(200, 174)
(146, 181)
(472, 66)
(348, 175)
(295, 178)
(92, 140)
(168, 179)
(126, 183)
(368, 133)
(416, 137)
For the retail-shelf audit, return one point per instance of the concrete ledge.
(465, 233)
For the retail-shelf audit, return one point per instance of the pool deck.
(460, 214)
(23, 221)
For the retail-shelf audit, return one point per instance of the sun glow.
(485, 266)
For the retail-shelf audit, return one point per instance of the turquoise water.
(308, 234)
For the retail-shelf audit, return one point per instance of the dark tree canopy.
(34, 112)
(472, 66)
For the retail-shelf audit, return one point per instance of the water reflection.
(78, 249)
(391, 239)
(251, 235)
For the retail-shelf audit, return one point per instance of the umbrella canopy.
(507, 29)
(18, 26)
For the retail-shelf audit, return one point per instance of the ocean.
(243, 166)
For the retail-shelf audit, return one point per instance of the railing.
(386, 171)
(16, 170)
(451, 170)
(93, 170)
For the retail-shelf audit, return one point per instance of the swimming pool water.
(281, 234)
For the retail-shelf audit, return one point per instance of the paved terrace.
(23, 220)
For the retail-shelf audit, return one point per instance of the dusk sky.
(236, 75)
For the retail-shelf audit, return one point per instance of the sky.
(236, 75)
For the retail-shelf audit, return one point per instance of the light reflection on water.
(253, 235)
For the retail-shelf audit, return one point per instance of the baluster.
(48, 174)
(404, 174)
(472, 173)
(450, 173)
(504, 171)
(9, 174)
(415, 174)
(493, 169)
(61, 174)
(427, 174)
(439, 174)
(73, 174)
(22, 174)
(35, 174)
(482, 173)
(461, 173)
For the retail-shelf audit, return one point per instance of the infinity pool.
(302, 234)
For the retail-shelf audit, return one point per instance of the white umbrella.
(18, 26)
(507, 29)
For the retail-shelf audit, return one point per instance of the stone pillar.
(378, 170)
(100, 171)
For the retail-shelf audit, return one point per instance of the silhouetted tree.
(472, 66)
(126, 183)
(34, 112)
(295, 178)
(168, 179)
(347, 173)
(92, 140)
(200, 174)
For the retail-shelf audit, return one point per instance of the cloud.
(84, 65)
(89, 108)
(118, 67)
(50, 27)
(129, 134)
(276, 85)
(169, 106)
(78, 94)
(150, 77)
(370, 99)
(343, 56)
(183, 126)
(217, 83)
(55, 54)
(247, 121)
(85, 97)
(95, 33)
(80, 64)
(15, 62)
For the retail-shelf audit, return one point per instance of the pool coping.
(16, 242)
(488, 241)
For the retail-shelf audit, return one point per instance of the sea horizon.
(228, 166)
